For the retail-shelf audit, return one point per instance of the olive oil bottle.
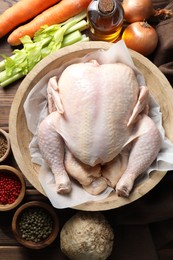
(106, 20)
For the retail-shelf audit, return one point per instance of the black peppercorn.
(35, 224)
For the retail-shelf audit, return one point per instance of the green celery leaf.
(45, 32)
(17, 64)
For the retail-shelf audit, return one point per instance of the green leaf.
(46, 32)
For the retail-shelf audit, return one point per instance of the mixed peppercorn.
(10, 187)
(35, 224)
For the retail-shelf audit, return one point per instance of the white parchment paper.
(35, 108)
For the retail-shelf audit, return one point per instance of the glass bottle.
(106, 20)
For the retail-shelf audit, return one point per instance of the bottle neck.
(106, 6)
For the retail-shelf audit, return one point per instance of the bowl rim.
(55, 230)
(7, 137)
(19, 199)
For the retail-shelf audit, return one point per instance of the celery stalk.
(77, 17)
(47, 40)
(81, 26)
(2, 65)
(74, 37)
(85, 38)
(11, 79)
(71, 38)
(3, 76)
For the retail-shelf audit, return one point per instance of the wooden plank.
(6, 237)
(6, 4)
(21, 253)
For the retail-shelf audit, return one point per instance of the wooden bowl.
(5, 146)
(35, 206)
(20, 135)
(5, 169)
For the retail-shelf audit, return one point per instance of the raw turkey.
(91, 134)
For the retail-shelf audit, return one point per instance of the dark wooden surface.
(9, 247)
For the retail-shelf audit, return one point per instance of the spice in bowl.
(12, 187)
(35, 224)
(4, 145)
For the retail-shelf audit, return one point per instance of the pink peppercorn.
(10, 187)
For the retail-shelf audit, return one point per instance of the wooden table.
(9, 247)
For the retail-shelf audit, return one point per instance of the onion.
(141, 10)
(140, 37)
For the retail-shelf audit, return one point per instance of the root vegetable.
(140, 37)
(136, 11)
(87, 235)
(56, 14)
(21, 12)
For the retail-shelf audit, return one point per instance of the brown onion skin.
(137, 10)
(140, 37)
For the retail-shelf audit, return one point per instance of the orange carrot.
(21, 12)
(58, 13)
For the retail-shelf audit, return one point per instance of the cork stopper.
(106, 6)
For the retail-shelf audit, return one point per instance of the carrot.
(21, 12)
(56, 14)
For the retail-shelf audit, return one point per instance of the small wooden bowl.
(4, 151)
(20, 135)
(5, 169)
(17, 218)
